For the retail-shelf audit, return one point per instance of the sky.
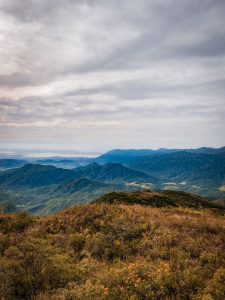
(92, 75)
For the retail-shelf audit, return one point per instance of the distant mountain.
(67, 163)
(207, 150)
(203, 174)
(47, 189)
(80, 185)
(113, 173)
(43, 189)
(11, 163)
(122, 156)
(159, 199)
(32, 175)
(125, 156)
(67, 194)
(184, 166)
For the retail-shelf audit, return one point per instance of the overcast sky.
(94, 75)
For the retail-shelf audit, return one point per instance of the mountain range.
(129, 155)
(41, 188)
(116, 156)
(184, 165)
(47, 189)
(33, 175)
(6, 164)
(114, 173)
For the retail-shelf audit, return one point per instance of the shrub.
(105, 252)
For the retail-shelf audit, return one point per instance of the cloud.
(120, 72)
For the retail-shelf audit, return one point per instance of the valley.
(42, 188)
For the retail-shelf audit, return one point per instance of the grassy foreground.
(113, 251)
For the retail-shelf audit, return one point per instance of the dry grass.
(102, 251)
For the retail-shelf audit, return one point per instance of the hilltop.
(121, 251)
(159, 199)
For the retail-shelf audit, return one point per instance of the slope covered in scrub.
(113, 251)
(160, 199)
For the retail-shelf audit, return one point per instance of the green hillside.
(113, 173)
(53, 198)
(58, 197)
(32, 175)
(46, 189)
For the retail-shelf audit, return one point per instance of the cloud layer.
(96, 74)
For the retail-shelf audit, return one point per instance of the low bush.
(116, 251)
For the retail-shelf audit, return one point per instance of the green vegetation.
(113, 173)
(116, 251)
(6, 164)
(160, 199)
(44, 189)
(32, 176)
(52, 199)
(199, 173)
